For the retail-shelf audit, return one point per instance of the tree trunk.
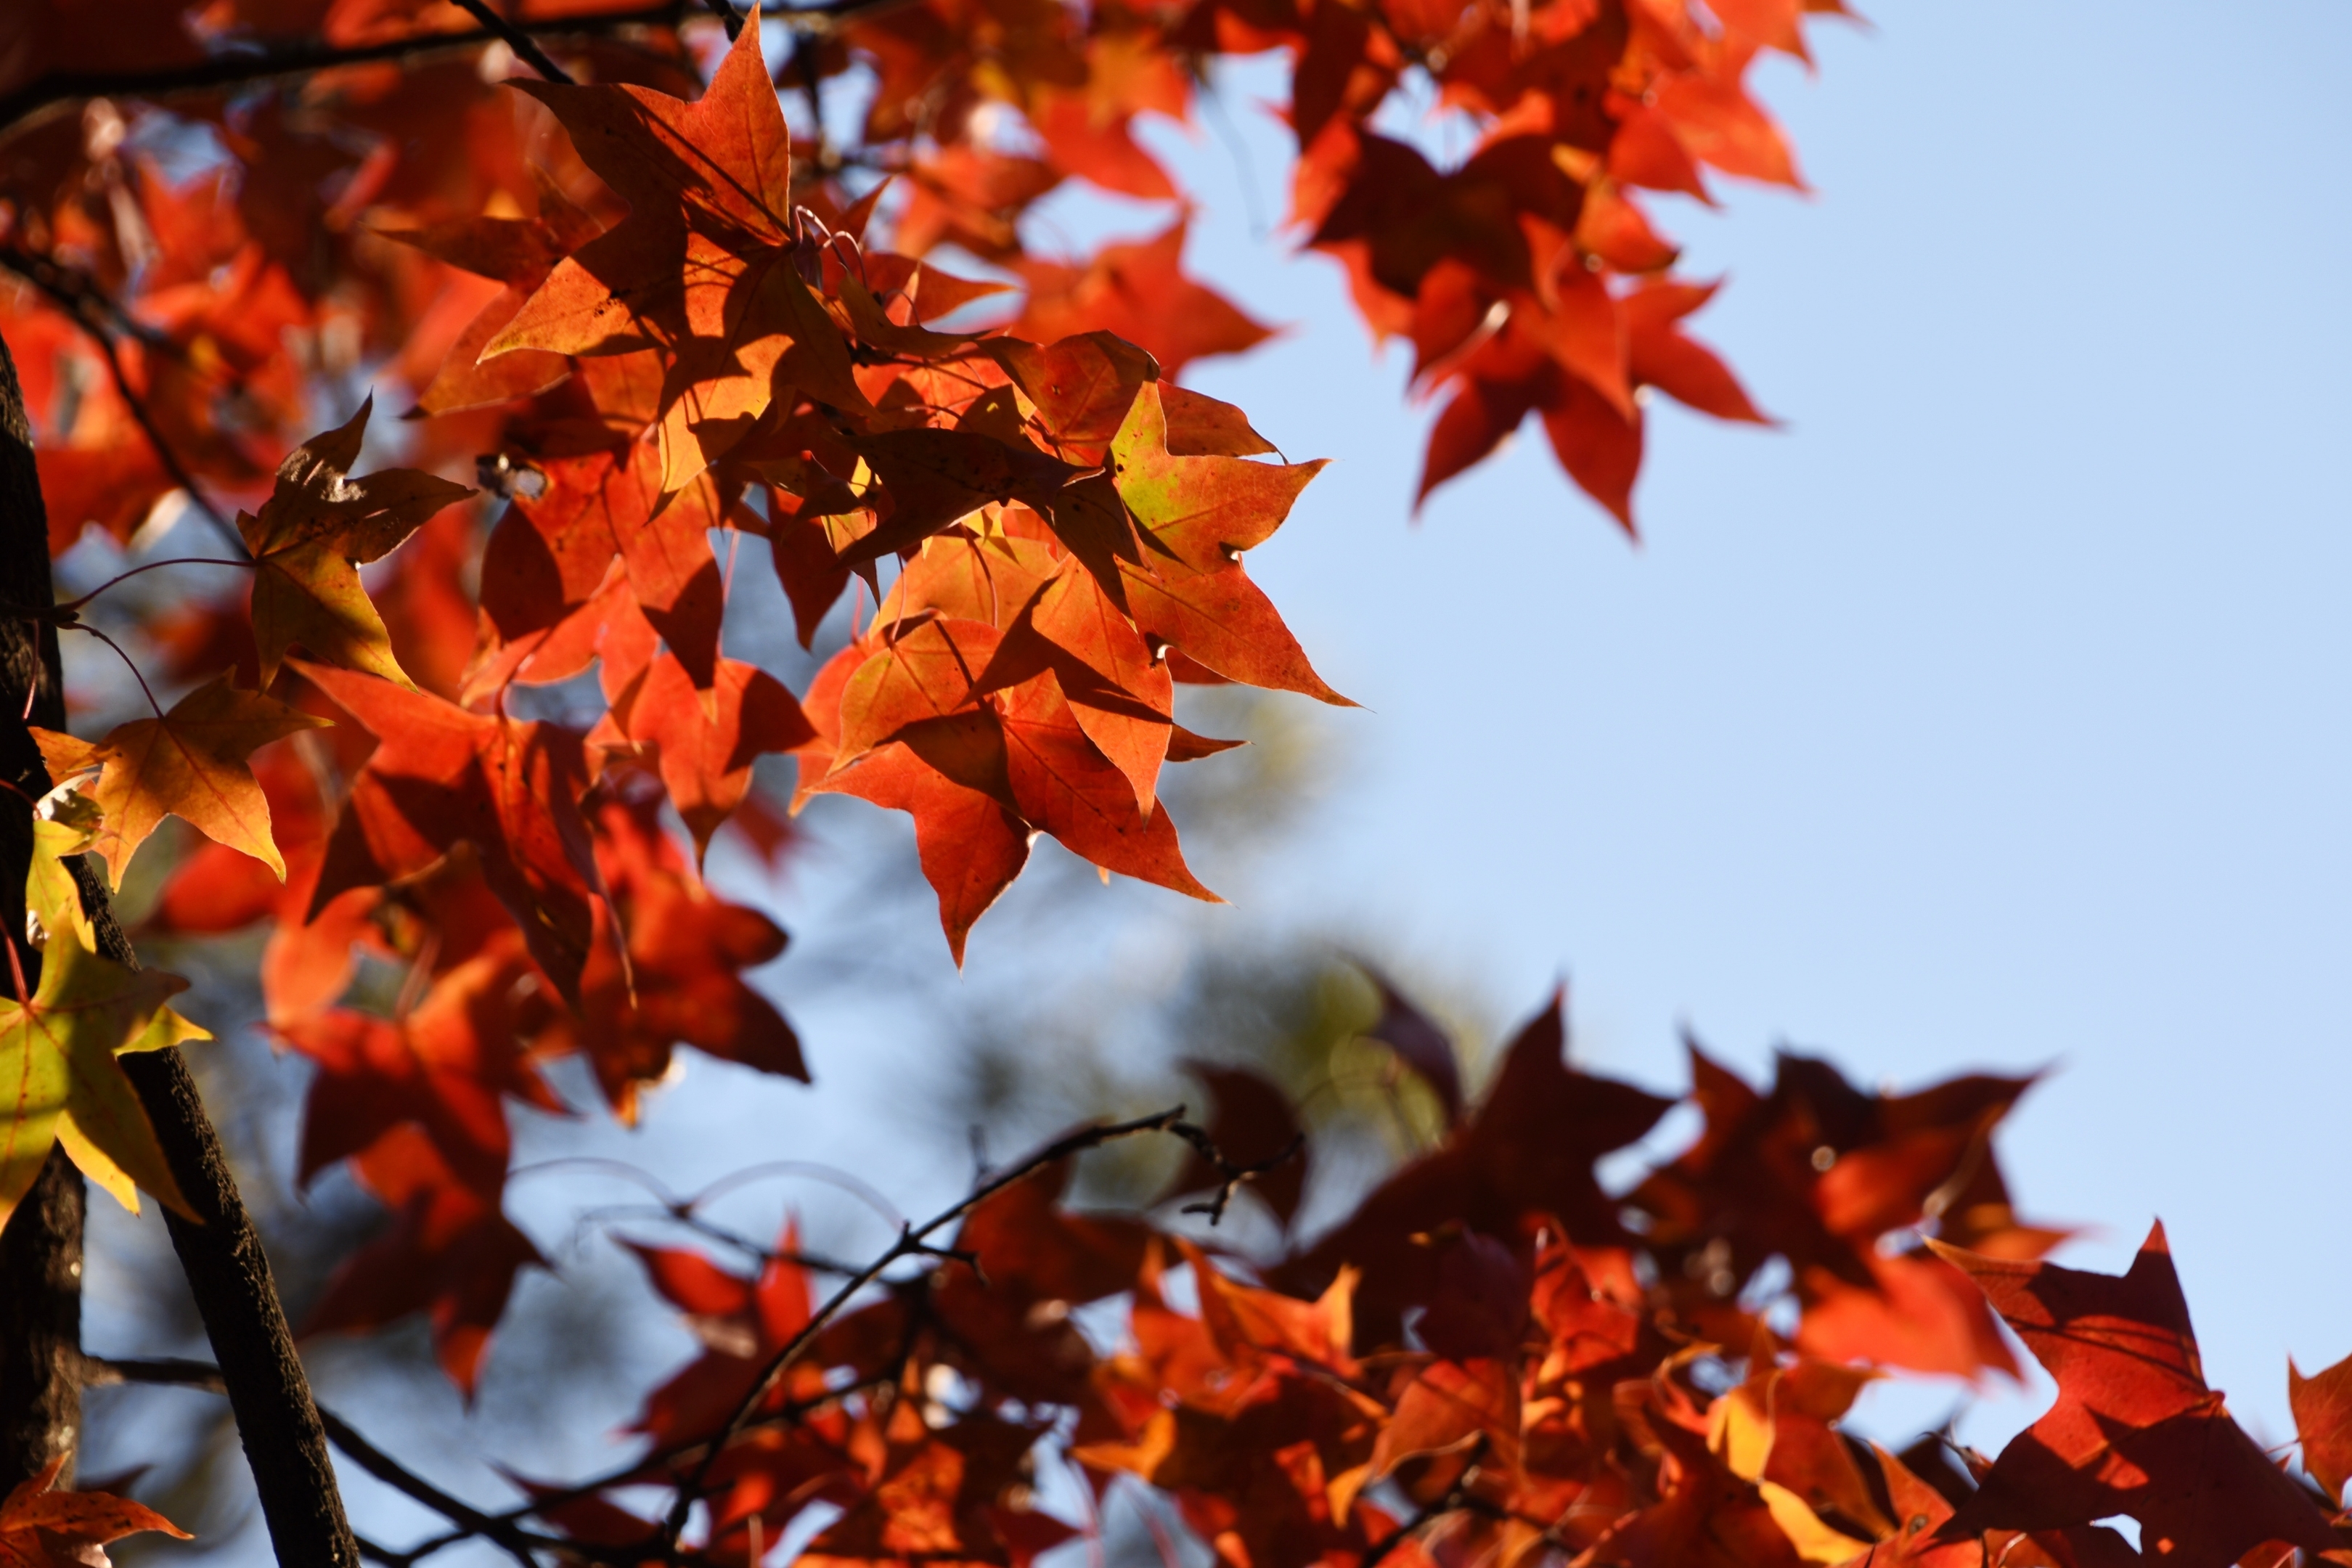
(228, 1272)
(40, 1251)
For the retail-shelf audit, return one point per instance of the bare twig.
(1234, 1175)
(101, 1371)
(729, 18)
(733, 1240)
(525, 46)
(67, 609)
(911, 1242)
(517, 1543)
(80, 298)
(304, 56)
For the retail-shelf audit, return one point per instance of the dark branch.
(1233, 1176)
(80, 298)
(169, 1372)
(729, 18)
(504, 1529)
(525, 46)
(910, 1243)
(517, 1543)
(301, 56)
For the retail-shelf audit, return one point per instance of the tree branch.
(504, 1529)
(525, 48)
(517, 1543)
(229, 1274)
(303, 56)
(78, 297)
(911, 1243)
(40, 1252)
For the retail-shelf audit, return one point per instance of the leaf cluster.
(1488, 1357)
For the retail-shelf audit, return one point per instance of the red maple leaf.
(2135, 1429)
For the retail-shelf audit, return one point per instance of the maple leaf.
(1063, 782)
(1246, 1416)
(40, 1525)
(1708, 1516)
(969, 837)
(703, 266)
(946, 1497)
(58, 1075)
(1418, 1042)
(683, 982)
(1661, 354)
(740, 1322)
(1140, 291)
(548, 555)
(441, 777)
(704, 752)
(1816, 1172)
(1507, 377)
(318, 526)
(518, 253)
(450, 1254)
(1527, 1153)
(1915, 1511)
(1776, 1430)
(2135, 1429)
(190, 763)
(2322, 1420)
(1195, 516)
(446, 1066)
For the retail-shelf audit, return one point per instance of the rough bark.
(228, 1272)
(40, 1251)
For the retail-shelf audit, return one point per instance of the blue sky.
(1991, 712)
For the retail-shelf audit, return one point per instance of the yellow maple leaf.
(318, 528)
(189, 764)
(60, 1081)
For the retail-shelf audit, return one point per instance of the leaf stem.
(128, 663)
(70, 606)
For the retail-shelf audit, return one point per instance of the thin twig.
(517, 1543)
(910, 1243)
(303, 57)
(66, 607)
(736, 1240)
(525, 46)
(78, 296)
(104, 1371)
(163, 453)
(1234, 1175)
(128, 662)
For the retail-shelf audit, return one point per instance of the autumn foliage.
(471, 718)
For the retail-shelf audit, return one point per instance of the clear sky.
(1994, 710)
